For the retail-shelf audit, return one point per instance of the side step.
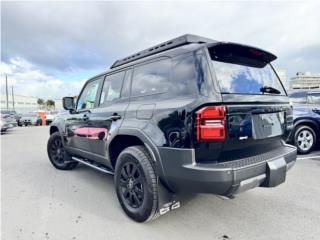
(93, 165)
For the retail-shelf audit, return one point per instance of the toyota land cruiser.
(190, 114)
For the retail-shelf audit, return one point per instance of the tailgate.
(255, 128)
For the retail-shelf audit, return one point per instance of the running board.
(93, 165)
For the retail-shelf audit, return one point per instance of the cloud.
(70, 37)
(33, 82)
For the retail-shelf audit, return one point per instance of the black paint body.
(165, 124)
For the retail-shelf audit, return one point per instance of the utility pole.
(12, 97)
(7, 93)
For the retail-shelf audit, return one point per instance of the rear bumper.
(182, 173)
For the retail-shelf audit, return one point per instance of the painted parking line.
(301, 158)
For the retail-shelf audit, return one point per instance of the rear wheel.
(305, 139)
(58, 156)
(136, 184)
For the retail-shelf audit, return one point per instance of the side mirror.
(68, 103)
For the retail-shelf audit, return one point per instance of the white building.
(21, 103)
(58, 104)
(305, 80)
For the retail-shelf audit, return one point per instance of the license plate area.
(267, 125)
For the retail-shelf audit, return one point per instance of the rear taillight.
(211, 123)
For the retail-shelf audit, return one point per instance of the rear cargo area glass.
(242, 72)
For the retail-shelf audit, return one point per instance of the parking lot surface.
(40, 202)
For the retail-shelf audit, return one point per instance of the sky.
(49, 49)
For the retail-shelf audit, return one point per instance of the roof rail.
(173, 43)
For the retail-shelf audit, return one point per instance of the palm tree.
(50, 103)
(40, 101)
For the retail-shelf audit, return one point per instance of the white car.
(50, 116)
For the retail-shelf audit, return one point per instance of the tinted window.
(240, 71)
(314, 98)
(186, 80)
(298, 97)
(111, 88)
(88, 95)
(126, 85)
(151, 78)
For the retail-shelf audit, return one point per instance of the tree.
(40, 101)
(50, 103)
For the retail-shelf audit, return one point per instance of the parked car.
(306, 119)
(11, 116)
(188, 115)
(6, 123)
(50, 116)
(30, 119)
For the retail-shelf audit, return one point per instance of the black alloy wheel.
(136, 184)
(131, 184)
(57, 154)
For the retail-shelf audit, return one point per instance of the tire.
(136, 184)
(304, 139)
(59, 158)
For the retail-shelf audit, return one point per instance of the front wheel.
(136, 184)
(58, 156)
(305, 139)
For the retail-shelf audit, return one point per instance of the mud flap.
(168, 200)
(276, 172)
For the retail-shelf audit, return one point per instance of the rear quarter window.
(314, 98)
(151, 78)
(168, 77)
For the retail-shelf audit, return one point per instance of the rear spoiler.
(240, 54)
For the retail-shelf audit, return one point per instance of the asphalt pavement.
(40, 202)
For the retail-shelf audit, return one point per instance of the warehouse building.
(20, 103)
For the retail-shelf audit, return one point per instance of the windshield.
(30, 115)
(243, 70)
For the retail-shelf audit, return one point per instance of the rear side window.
(177, 77)
(151, 78)
(188, 76)
(125, 93)
(314, 98)
(111, 88)
(298, 97)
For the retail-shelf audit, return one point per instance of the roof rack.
(176, 42)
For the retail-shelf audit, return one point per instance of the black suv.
(190, 114)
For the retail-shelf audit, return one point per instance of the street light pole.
(12, 97)
(7, 93)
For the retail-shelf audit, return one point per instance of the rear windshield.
(243, 70)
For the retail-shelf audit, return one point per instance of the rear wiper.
(266, 89)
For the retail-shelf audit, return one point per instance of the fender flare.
(152, 148)
(60, 130)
